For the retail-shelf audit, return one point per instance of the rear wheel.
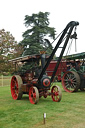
(16, 87)
(71, 81)
(33, 95)
(56, 93)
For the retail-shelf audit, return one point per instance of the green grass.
(69, 113)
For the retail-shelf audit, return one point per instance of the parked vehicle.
(74, 79)
(35, 82)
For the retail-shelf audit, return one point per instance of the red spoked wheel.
(33, 95)
(56, 93)
(16, 87)
(71, 81)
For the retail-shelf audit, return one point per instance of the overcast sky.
(12, 14)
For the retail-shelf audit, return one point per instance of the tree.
(9, 49)
(37, 30)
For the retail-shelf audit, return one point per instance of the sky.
(12, 14)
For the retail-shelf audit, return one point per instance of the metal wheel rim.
(16, 87)
(33, 95)
(71, 81)
(56, 93)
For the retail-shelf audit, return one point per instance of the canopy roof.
(28, 58)
(75, 56)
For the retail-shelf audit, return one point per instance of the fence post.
(2, 80)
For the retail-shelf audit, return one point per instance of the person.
(68, 66)
(77, 67)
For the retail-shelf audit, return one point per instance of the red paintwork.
(62, 68)
(14, 92)
(55, 94)
(32, 95)
(46, 82)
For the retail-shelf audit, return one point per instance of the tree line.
(35, 39)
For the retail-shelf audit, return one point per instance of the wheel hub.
(15, 87)
(70, 81)
(46, 82)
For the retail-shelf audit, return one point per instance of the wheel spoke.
(70, 81)
(56, 94)
(16, 83)
(13, 87)
(15, 95)
(33, 95)
(54, 90)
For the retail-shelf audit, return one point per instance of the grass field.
(69, 113)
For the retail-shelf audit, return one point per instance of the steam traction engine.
(74, 79)
(35, 82)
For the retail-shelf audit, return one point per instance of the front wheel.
(33, 95)
(56, 93)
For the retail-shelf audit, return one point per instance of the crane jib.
(68, 28)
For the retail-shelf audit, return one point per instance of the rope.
(74, 36)
(75, 41)
(53, 41)
(69, 48)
